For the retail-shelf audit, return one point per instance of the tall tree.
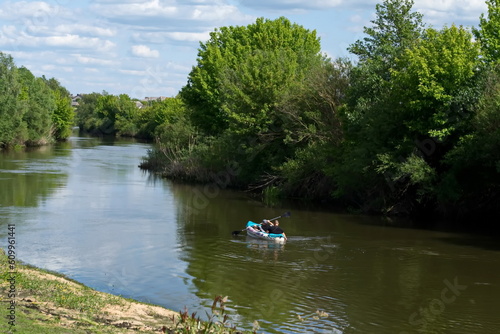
(394, 30)
(63, 115)
(370, 128)
(242, 70)
(434, 80)
(488, 33)
(12, 128)
(40, 106)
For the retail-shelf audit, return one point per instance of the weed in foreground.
(218, 321)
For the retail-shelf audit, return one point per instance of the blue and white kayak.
(263, 235)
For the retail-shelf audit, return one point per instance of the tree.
(241, 72)
(158, 113)
(40, 106)
(394, 30)
(86, 116)
(312, 124)
(371, 131)
(63, 115)
(433, 94)
(471, 186)
(489, 33)
(434, 80)
(12, 128)
(126, 116)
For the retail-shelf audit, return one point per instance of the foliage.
(30, 112)
(431, 78)
(40, 106)
(473, 181)
(63, 115)
(11, 110)
(488, 33)
(241, 92)
(218, 320)
(160, 112)
(394, 30)
(105, 114)
(85, 117)
(241, 72)
(397, 132)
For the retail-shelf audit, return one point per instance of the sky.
(146, 48)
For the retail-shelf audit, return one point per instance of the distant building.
(75, 99)
(159, 98)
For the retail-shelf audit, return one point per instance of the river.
(83, 208)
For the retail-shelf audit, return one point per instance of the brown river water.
(84, 208)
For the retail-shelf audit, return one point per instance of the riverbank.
(38, 301)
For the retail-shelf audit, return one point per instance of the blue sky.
(147, 47)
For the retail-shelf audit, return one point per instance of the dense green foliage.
(412, 127)
(111, 115)
(33, 111)
(488, 33)
(105, 114)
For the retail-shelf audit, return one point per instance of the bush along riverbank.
(38, 301)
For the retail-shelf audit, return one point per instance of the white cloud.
(48, 67)
(75, 41)
(85, 60)
(144, 51)
(32, 12)
(163, 37)
(84, 29)
(290, 5)
(145, 8)
(133, 72)
(451, 11)
(155, 12)
(11, 36)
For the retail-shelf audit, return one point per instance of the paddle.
(285, 215)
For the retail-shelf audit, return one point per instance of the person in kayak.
(276, 229)
(265, 225)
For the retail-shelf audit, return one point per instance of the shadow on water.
(482, 242)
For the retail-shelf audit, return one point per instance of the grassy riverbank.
(47, 302)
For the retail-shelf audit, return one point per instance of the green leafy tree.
(242, 71)
(12, 128)
(434, 80)
(40, 106)
(488, 33)
(63, 115)
(158, 113)
(86, 116)
(396, 28)
(471, 186)
(234, 91)
(126, 116)
(371, 132)
(312, 124)
(432, 98)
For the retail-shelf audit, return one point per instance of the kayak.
(263, 235)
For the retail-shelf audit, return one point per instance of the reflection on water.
(84, 208)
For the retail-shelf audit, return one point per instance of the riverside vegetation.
(411, 127)
(33, 111)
